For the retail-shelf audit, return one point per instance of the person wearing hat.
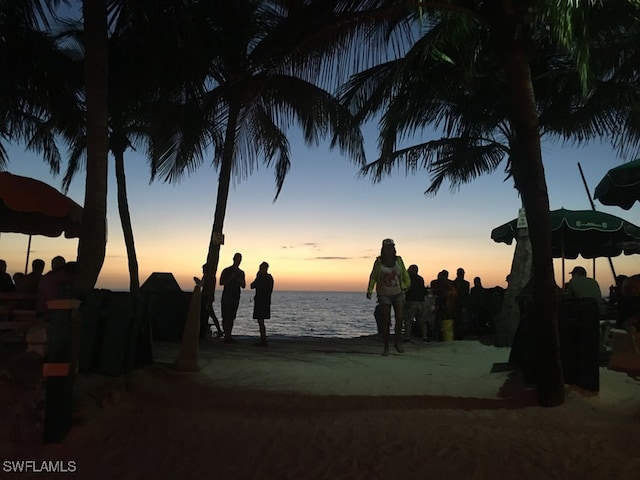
(391, 279)
(581, 286)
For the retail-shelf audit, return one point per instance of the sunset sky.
(326, 228)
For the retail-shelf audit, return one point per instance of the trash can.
(166, 306)
(447, 330)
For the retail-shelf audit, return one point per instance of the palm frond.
(458, 160)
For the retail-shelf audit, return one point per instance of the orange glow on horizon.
(295, 270)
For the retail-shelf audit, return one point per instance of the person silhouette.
(206, 309)
(263, 285)
(30, 282)
(232, 279)
(56, 283)
(462, 304)
(415, 306)
(6, 282)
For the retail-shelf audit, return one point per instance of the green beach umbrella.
(585, 233)
(620, 186)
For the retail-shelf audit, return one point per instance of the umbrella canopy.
(587, 233)
(620, 186)
(32, 207)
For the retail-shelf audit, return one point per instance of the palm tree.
(38, 81)
(34, 80)
(135, 71)
(251, 98)
(93, 238)
(468, 50)
(143, 69)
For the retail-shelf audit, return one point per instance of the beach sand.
(311, 408)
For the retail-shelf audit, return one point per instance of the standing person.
(206, 309)
(263, 285)
(6, 283)
(443, 290)
(391, 279)
(479, 307)
(462, 306)
(232, 279)
(414, 308)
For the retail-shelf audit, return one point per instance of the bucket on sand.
(447, 330)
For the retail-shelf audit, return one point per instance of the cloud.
(333, 258)
(307, 244)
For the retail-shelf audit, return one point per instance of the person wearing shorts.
(391, 279)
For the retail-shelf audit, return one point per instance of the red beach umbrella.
(32, 207)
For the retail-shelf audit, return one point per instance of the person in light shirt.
(581, 286)
(391, 279)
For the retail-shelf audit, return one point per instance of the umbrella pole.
(562, 254)
(26, 263)
(593, 207)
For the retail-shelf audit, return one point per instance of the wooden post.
(60, 367)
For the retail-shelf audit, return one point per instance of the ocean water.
(308, 314)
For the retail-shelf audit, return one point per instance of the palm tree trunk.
(529, 177)
(224, 181)
(93, 239)
(509, 317)
(125, 221)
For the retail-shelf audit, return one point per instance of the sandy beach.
(330, 408)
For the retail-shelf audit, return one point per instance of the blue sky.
(325, 230)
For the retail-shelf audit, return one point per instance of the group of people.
(56, 283)
(414, 304)
(624, 297)
(232, 279)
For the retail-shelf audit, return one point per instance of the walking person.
(263, 285)
(391, 279)
(232, 279)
